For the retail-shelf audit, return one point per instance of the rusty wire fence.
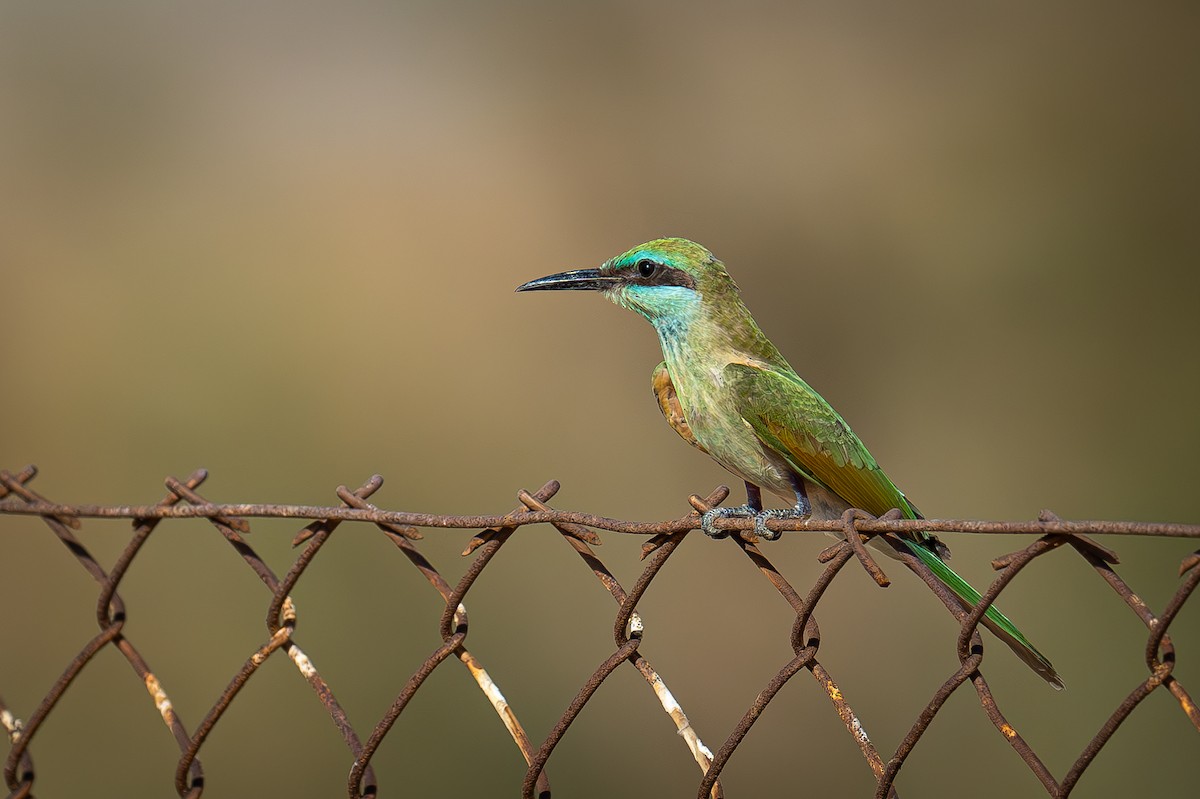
(578, 532)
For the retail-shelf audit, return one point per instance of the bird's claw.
(801, 510)
(710, 516)
(760, 523)
(747, 512)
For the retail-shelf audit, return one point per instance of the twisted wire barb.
(578, 531)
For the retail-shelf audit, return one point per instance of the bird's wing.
(668, 403)
(797, 423)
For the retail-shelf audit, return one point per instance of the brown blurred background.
(279, 240)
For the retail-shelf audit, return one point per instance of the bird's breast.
(714, 414)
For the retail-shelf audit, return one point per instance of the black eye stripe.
(647, 272)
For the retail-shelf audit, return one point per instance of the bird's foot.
(710, 516)
(749, 512)
(760, 520)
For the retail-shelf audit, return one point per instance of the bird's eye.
(646, 267)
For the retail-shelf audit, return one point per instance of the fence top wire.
(578, 531)
(206, 510)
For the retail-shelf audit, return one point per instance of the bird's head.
(664, 280)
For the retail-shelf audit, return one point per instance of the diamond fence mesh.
(578, 531)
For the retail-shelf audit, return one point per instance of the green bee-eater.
(725, 389)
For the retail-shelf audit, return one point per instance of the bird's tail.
(994, 620)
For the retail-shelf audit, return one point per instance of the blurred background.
(280, 241)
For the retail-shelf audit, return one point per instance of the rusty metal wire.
(578, 531)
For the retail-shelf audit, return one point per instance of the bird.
(729, 392)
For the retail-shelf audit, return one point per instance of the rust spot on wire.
(631, 633)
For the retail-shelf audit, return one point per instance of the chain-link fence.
(578, 532)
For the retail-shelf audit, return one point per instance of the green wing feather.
(797, 423)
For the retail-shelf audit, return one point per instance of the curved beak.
(577, 279)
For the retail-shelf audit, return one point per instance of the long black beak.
(578, 279)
